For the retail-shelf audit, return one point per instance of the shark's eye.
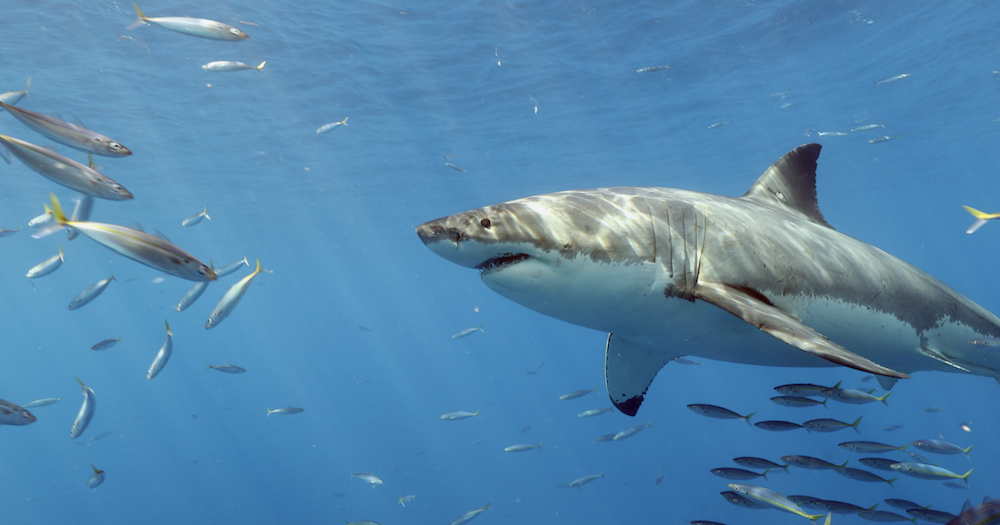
(485, 223)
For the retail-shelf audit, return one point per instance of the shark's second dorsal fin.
(790, 184)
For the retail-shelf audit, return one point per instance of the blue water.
(333, 216)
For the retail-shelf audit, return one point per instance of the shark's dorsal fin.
(790, 184)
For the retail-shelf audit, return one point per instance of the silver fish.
(896, 78)
(861, 475)
(231, 298)
(878, 463)
(11, 414)
(40, 221)
(593, 412)
(90, 293)
(163, 355)
(226, 65)
(830, 425)
(867, 127)
(651, 69)
(229, 369)
(199, 27)
(737, 473)
(136, 245)
(107, 343)
(196, 218)
(367, 477)
(941, 447)
(65, 171)
(631, 431)
(869, 447)
(103, 435)
(925, 471)
(326, 128)
(86, 411)
(71, 135)
(886, 138)
(8, 232)
(96, 479)
(192, 295)
(718, 412)
(46, 267)
(454, 416)
(403, 500)
(13, 97)
(777, 426)
(81, 212)
(41, 402)
(288, 410)
(579, 482)
(232, 267)
(719, 124)
(576, 393)
(465, 518)
(466, 332)
(456, 168)
(522, 448)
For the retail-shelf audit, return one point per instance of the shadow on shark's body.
(759, 279)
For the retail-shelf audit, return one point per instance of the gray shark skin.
(759, 279)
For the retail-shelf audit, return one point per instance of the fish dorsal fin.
(790, 184)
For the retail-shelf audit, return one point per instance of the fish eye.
(486, 223)
(235, 31)
(115, 146)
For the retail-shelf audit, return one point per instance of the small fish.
(925, 471)
(8, 233)
(685, 361)
(780, 96)
(903, 504)
(787, 105)
(719, 412)
(465, 518)
(777, 426)
(878, 463)
(808, 502)
(365, 329)
(107, 343)
(522, 448)
(932, 410)
(496, 53)
(527, 428)
(797, 401)
(71, 135)
(196, 218)
(830, 425)
(579, 482)
(226, 65)
(403, 500)
(803, 389)
(832, 134)
(593, 412)
(11, 414)
(535, 101)
(896, 78)
(920, 459)
(231, 298)
(861, 475)
(987, 341)
(868, 127)
(367, 477)
(362, 522)
(456, 168)
(940, 447)
(758, 463)
(48, 266)
(737, 473)
(13, 97)
(191, 26)
(90, 293)
(96, 479)
(651, 69)
(103, 435)
(40, 221)
(869, 447)
(229, 369)
(192, 295)
(853, 397)
(454, 416)
(232, 267)
(809, 462)
(883, 516)
(953, 485)
(577, 393)
(933, 516)
(291, 410)
(659, 477)
(136, 245)
(163, 355)
(86, 411)
(740, 501)
(890, 428)
(631, 431)
(767, 496)
(467, 332)
(886, 138)
(41, 402)
(326, 128)
(719, 124)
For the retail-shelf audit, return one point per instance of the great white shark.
(759, 279)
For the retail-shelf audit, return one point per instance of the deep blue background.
(333, 216)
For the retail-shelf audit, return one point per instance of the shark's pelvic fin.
(754, 308)
(790, 184)
(886, 382)
(629, 368)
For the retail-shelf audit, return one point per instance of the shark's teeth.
(503, 261)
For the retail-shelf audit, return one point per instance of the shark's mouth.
(499, 263)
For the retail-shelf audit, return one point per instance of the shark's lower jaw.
(496, 264)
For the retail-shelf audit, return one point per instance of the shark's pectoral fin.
(754, 308)
(629, 368)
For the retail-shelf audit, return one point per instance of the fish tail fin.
(844, 464)
(872, 508)
(979, 214)
(540, 446)
(27, 88)
(261, 66)
(889, 481)
(764, 475)
(344, 122)
(138, 12)
(78, 381)
(113, 277)
(837, 385)
(824, 403)
(785, 468)
(650, 424)
(747, 418)
(168, 327)
(269, 413)
(205, 211)
(601, 474)
(815, 517)
(904, 446)
(883, 398)
(487, 506)
(476, 413)
(965, 477)
(855, 424)
(209, 366)
(56, 210)
(119, 338)
(61, 256)
(967, 450)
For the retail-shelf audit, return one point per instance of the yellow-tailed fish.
(196, 218)
(325, 128)
(91, 293)
(191, 26)
(13, 97)
(231, 298)
(86, 411)
(48, 266)
(192, 295)
(465, 518)
(134, 244)
(226, 65)
(981, 218)
(763, 495)
(163, 355)
(96, 479)
(65, 171)
(231, 267)
(63, 132)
